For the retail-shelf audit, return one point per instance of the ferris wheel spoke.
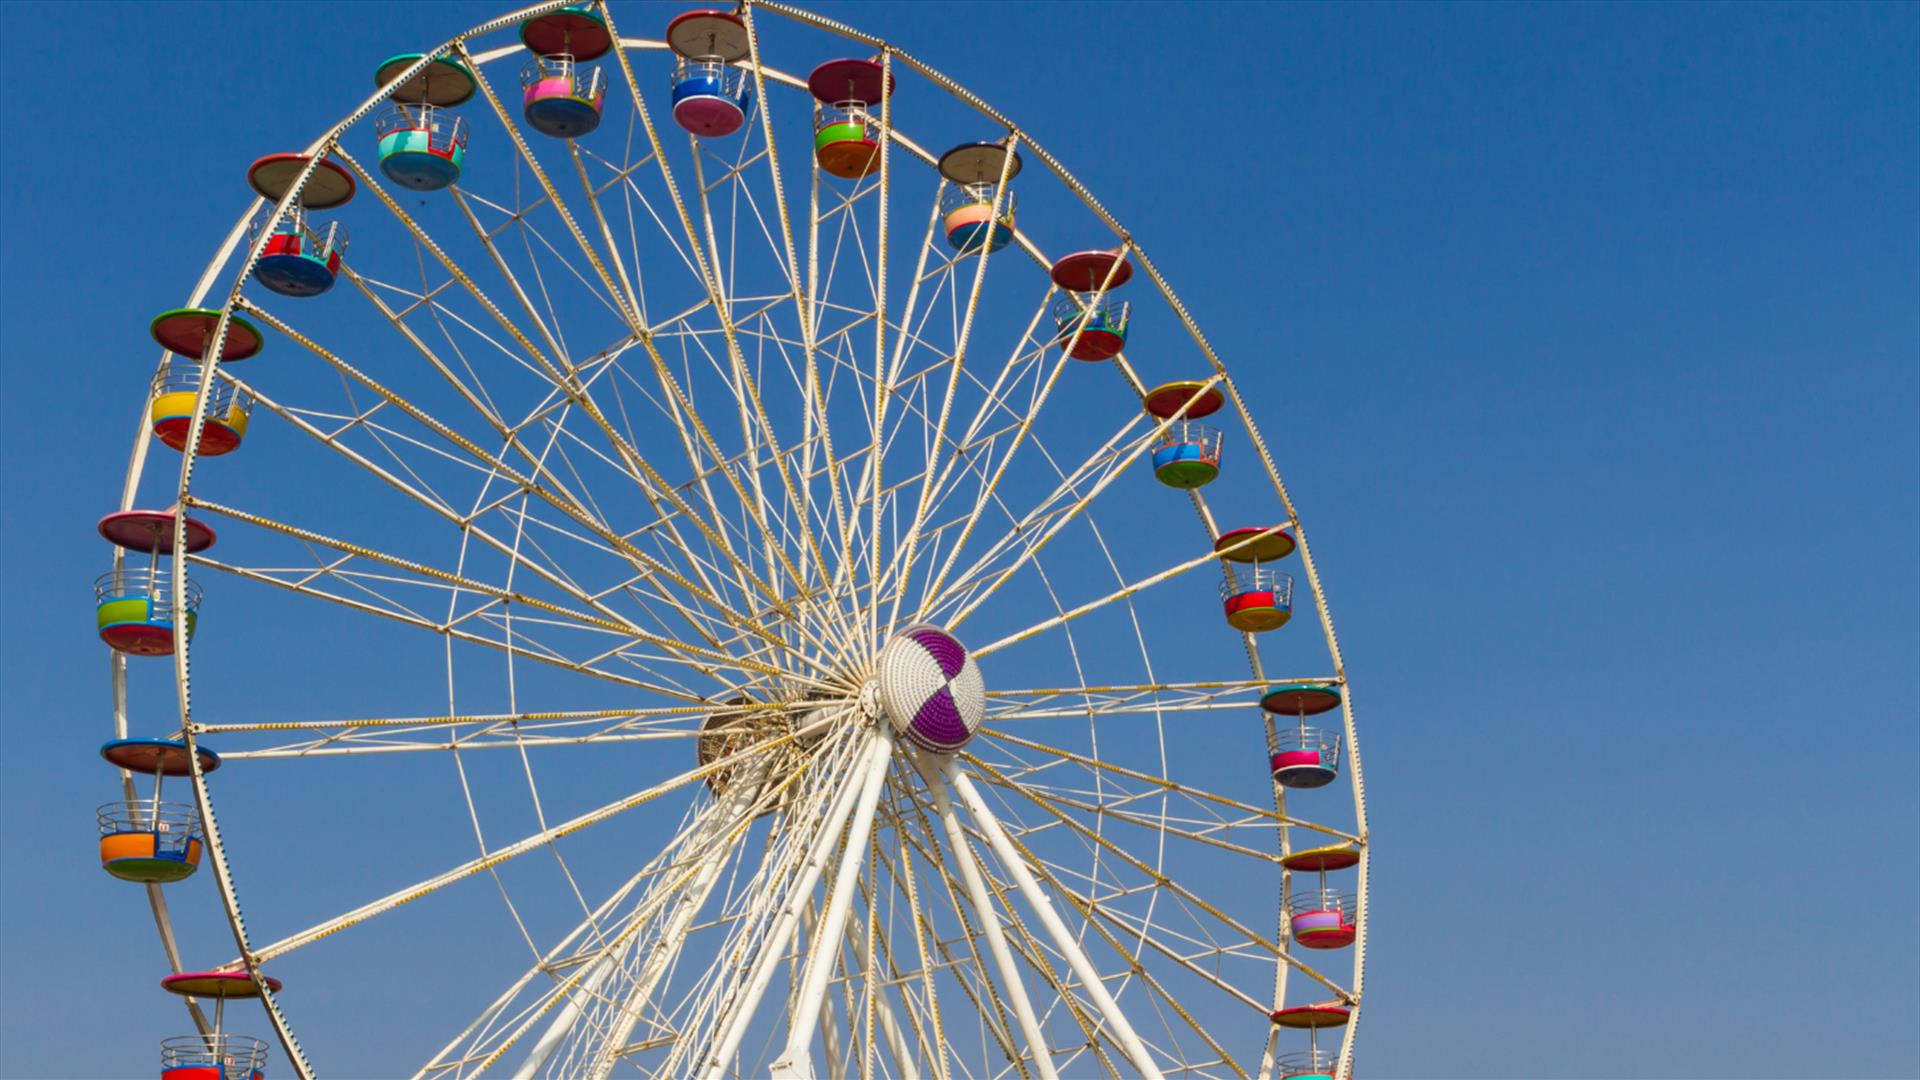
(595, 962)
(935, 492)
(1079, 828)
(511, 851)
(686, 411)
(475, 394)
(922, 1015)
(646, 564)
(962, 857)
(653, 717)
(1195, 952)
(895, 581)
(667, 518)
(632, 1004)
(985, 257)
(1147, 698)
(688, 899)
(453, 268)
(1123, 593)
(1120, 693)
(881, 388)
(978, 975)
(486, 735)
(433, 504)
(1199, 831)
(639, 472)
(932, 591)
(670, 543)
(992, 1014)
(727, 466)
(1112, 1021)
(759, 427)
(1170, 786)
(704, 660)
(1028, 949)
(549, 963)
(631, 298)
(631, 189)
(913, 408)
(735, 1014)
(872, 778)
(1088, 906)
(620, 177)
(982, 588)
(711, 838)
(710, 281)
(649, 479)
(546, 325)
(856, 319)
(420, 622)
(1049, 513)
(493, 614)
(546, 185)
(884, 974)
(905, 338)
(905, 878)
(860, 954)
(733, 171)
(1039, 402)
(1196, 970)
(792, 260)
(814, 403)
(553, 490)
(576, 987)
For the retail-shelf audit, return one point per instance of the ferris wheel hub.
(930, 689)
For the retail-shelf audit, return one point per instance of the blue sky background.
(1590, 336)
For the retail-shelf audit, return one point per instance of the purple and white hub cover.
(931, 689)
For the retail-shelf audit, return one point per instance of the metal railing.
(711, 78)
(1322, 741)
(1308, 1063)
(1109, 314)
(1259, 579)
(1184, 433)
(1321, 901)
(587, 83)
(962, 195)
(153, 584)
(223, 399)
(445, 131)
(172, 823)
(846, 113)
(237, 1057)
(319, 244)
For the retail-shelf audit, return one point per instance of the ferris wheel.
(842, 596)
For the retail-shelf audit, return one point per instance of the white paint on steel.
(1063, 938)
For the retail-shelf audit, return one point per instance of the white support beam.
(895, 1039)
(796, 1059)
(733, 1027)
(1063, 938)
(734, 808)
(829, 1029)
(1014, 987)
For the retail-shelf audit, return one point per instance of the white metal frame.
(798, 566)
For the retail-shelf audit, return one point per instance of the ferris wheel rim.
(228, 316)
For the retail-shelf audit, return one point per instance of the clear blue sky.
(1595, 331)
